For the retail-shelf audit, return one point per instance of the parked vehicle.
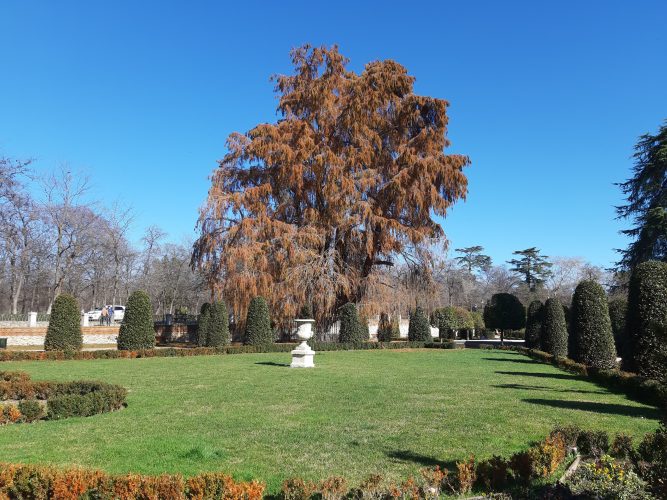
(95, 314)
(118, 313)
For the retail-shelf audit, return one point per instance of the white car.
(118, 313)
(95, 314)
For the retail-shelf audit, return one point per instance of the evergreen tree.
(593, 341)
(447, 322)
(646, 193)
(531, 266)
(395, 327)
(505, 312)
(384, 328)
(64, 330)
(364, 329)
(218, 329)
(351, 330)
(306, 312)
(554, 331)
(647, 307)
(137, 331)
(258, 323)
(534, 324)
(478, 321)
(419, 329)
(617, 311)
(473, 259)
(203, 324)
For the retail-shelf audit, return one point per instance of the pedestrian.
(103, 316)
(110, 320)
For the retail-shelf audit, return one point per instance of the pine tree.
(647, 307)
(137, 331)
(473, 259)
(646, 194)
(532, 267)
(64, 330)
(554, 331)
(203, 324)
(419, 329)
(534, 324)
(351, 330)
(593, 341)
(384, 328)
(258, 323)
(218, 330)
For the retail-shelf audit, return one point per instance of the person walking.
(103, 316)
(110, 317)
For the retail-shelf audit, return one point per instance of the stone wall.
(23, 336)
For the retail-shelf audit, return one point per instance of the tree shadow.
(416, 458)
(545, 388)
(609, 408)
(272, 363)
(505, 360)
(560, 376)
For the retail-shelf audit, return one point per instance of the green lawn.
(357, 413)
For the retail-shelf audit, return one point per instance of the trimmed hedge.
(384, 332)
(534, 324)
(258, 323)
(218, 327)
(351, 329)
(419, 329)
(618, 309)
(203, 324)
(64, 331)
(590, 327)
(647, 305)
(553, 338)
(137, 331)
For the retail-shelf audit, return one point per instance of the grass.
(356, 413)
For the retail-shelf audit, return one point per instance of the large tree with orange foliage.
(348, 179)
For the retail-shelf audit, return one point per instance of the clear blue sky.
(547, 99)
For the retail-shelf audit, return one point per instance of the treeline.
(56, 238)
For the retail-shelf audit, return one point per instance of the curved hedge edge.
(171, 352)
(634, 386)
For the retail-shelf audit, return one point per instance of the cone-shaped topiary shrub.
(351, 329)
(505, 312)
(306, 312)
(203, 324)
(647, 306)
(534, 325)
(218, 329)
(64, 331)
(365, 331)
(395, 327)
(384, 328)
(592, 339)
(137, 330)
(554, 332)
(617, 312)
(258, 323)
(419, 329)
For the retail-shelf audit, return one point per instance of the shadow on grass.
(416, 458)
(545, 388)
(609, 408)
(505, 360)
(272, 363)
(560, 376)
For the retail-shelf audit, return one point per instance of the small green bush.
(505, 312)
(593, 443)
(203, 325)
(592, 339)
(218, 328)
(419, 329)
(137, 330)
(446, 322)
(384, 333)
(258, 323)
(64, 331)
(534, 325)
(31, 410)
(478, 321)
(647, 306)
(306, 312)
(351, 329)
(553, 338)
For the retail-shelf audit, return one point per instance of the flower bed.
(29, 401)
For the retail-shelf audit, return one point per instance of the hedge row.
(31, 481)
(635, 386)
(197, 351)
(63, 399)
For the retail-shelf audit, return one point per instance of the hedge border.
(172, 352)
(635, 386)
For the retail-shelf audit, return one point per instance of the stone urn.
(302, 356)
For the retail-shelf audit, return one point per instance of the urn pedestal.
(302, 356)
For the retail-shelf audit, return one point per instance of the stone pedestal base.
(302, 356)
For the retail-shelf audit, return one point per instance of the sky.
(547, 99)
